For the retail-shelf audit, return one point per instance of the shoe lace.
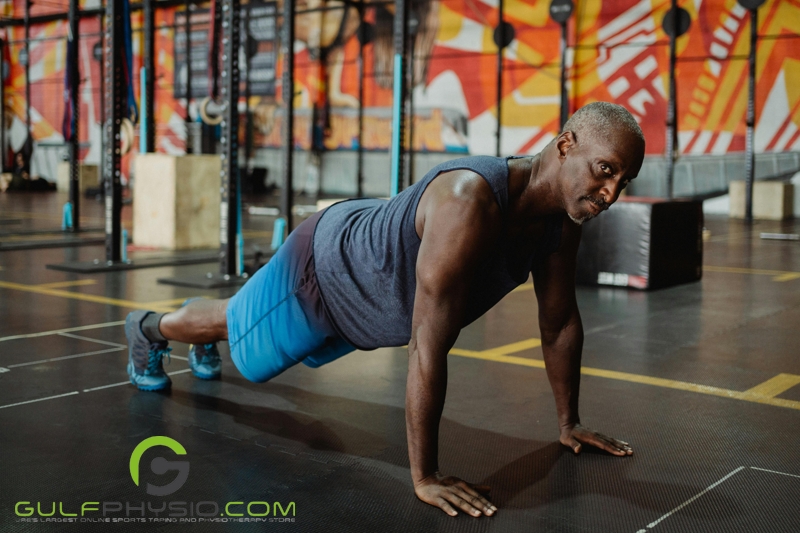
(156, 354)
(208, 353)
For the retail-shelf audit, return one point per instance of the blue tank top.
(365, 256)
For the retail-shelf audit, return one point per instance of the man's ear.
(564, 143)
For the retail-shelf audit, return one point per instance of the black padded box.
(643, 243)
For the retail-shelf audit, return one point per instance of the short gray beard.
(580, 221)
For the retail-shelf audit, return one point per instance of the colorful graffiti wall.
(618, 52)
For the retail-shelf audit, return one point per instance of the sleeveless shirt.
(365, 257)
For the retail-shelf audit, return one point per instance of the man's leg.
(199, 322)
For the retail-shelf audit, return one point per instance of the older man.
(415, 270)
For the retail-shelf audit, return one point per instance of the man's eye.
(605, 168)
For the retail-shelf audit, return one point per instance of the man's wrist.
(422, 479)
(568, 423)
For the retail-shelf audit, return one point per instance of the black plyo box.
(643, 243)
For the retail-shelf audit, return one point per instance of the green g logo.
(160, 466)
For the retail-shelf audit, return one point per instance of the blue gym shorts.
(278, 318)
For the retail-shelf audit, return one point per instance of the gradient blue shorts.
(277, 319)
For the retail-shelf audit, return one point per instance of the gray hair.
(602, 117)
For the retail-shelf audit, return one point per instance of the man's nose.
(611, 190)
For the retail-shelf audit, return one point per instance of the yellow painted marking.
(775, 386)
(789, 276)
(515, 347)
(778, 275)
(40, 216)
(172, 302)
(62, 284)
(524, 287)
(84, 297)
(251, 234)
(763, 393)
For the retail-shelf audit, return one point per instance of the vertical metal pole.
(3, 151)
(564, 96)
(103, 129)
(399, 94)
(672, 105)
(360, 153)
(187, 30)
(750, 158)
(74, 86)
(27, 23)
(114, 101)
(499, 105)
(287, 84)
(409, 177)
(229, 206)
(248, 126)
(148, 111)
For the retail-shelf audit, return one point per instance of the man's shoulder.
(464, 188)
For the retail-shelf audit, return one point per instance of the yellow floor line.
(527, 286)
(62, 284)
(514, 347)
(172, 302)
(37, 216)
(85, 297)
(252, 234)
(775, 386)
(778, 275)
(763, 393)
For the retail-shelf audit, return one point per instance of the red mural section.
(618, 52)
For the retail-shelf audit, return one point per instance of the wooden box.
(88, 177)
(176, 201)
(772, 200)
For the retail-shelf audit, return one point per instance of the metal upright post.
(114, 102)
(2, 113)
(560, 11)
(399, 94)
(499, 104)
(148, 111)
(675, 23)
(74, 74)
(27, 23)
(564, 97)
(187, 30)
(671, 104)
(248, 127)
(103, 141)
(287, 84)
(229, 208)
(750, 157)
(413, 27)
(360, 153)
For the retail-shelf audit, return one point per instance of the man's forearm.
(562, 357)
(425, 395)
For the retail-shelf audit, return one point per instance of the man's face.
(595, 169)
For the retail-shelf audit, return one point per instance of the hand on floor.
(450, 493)
(576, 435)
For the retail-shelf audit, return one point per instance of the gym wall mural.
(618, 53)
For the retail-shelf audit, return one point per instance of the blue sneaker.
(204, 359)
(145, 368)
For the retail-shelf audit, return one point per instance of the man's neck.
(534, 191)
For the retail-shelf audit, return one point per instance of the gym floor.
(702, 379)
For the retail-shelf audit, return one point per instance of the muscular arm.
(562, 341)
(560, 323)
(457, 230)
